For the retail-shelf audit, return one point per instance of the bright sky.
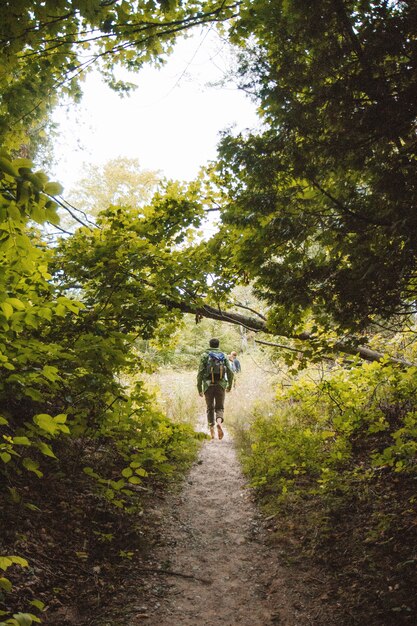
(170, 123)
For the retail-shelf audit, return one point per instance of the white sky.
(170, 123)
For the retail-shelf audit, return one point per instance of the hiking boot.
(212, 432)
(220, 432)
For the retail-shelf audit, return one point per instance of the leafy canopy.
(319, 206)
(47, 46)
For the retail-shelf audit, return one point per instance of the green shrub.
(324, 434)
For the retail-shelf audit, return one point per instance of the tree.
(48, 46)
(119, 182)
(319, 207)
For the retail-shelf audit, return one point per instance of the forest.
(310, 273)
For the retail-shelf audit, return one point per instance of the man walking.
(214, 378)
(236, 362)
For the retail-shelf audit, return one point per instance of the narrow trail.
(211, 534)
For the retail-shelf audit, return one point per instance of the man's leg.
(219, 396)
(209, 396)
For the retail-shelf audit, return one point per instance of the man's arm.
(200, 374)
(229, 375)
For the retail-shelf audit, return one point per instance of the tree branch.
(248, 308)
(276, 345)
(345, 209)
(256, 325)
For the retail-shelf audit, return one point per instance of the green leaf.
(118, 484)
(45, 313)
(3, 421)
(46, 422)
(90, 472)
(38, 604)
(33, 393)
(32, 466)
(22, 441)
(32, 507)
(7, 309)
(37, 214)
(127, 472)
(22, 163)
(53, 189)
(5, 457)
(134, 480)
(16, 303)
(5, 562)
(46, 450)
(5, 584)
(51, 373)
(23, 619)
(7, 167)
(19, 561)
(52, 216)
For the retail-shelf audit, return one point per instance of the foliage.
(335, 465)
(188, 340)
(48, 47)
(119, 182)
(318, 207)
(126, 263)
(351, 425)
(32, 362)
(64, 346)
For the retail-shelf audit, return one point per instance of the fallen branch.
(258, 325)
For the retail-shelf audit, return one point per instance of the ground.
(213, 565)
(198, 553)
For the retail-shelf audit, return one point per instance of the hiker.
(232, 362)
(214, 378)
(235, 366)
(236, 362)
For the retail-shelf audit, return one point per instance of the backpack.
(216, 367)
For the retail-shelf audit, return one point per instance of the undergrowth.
(80, 528)
(334, 465)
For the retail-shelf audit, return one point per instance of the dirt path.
(211, 533)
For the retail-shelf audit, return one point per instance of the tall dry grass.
(176, 393)
(253, 393)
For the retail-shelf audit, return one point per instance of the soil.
(214, 555)
(201, 554)
(204, 555)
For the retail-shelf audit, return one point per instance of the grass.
(252, 393)
(176, 393)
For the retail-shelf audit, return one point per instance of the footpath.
(218, 568)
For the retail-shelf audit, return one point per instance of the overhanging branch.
(258, 325)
